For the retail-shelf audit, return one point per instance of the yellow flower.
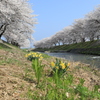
(68, 64)
(36, 56)
(63, 65)
(29, 54)
(57, 67)
(52, 64)
(33, 56)
(40, 58)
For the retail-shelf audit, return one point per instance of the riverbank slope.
(18, 81)
(90, 47)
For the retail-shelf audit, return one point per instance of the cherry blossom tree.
(92, 24)
(59, 37)
(78, 28)
(68, 37)
(16, 18)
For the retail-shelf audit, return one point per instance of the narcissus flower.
(68, 64)
(57, 67)
(52, 64)
(63, 65)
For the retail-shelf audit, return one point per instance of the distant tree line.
(16, 22)
(82, 30)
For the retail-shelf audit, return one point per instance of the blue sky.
(54, 15)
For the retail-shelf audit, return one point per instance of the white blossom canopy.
(16, 17)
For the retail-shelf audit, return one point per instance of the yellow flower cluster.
(61, 65)
(34, 55)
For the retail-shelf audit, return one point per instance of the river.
(88, 59)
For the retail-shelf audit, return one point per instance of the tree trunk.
(59, 43)
(5, 26)
(91, 38)
(98, 37)
(74, 41)
(82, 40)
(1, 27)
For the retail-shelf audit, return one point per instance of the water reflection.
(89, 59)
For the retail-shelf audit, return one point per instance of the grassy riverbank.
(90, 47)
(18, 79)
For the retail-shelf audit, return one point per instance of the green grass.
(64, 90)
(90, 47)
(2, 46)
(45, 55)
(90, 44)
(10, 61)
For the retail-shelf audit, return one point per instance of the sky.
(54, 15)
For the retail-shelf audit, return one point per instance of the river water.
(88, 59)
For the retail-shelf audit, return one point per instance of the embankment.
(90, 47)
